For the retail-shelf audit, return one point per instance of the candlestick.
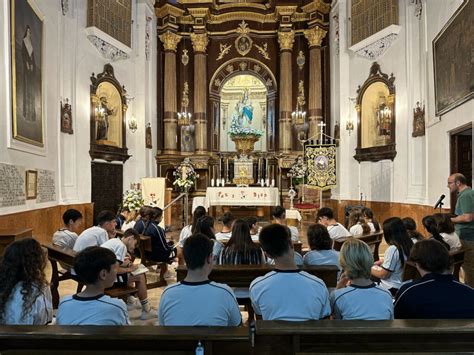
(227, 175)
(220, 167)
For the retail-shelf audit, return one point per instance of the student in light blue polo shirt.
(97, 268)
(356, 296)
(321, 247)
(272, 294)
(196, 300)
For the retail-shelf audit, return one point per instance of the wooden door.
(461, 157)
(107, 187)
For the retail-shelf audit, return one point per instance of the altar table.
(242, 196)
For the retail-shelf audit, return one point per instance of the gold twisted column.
(200, 42)
(315, 36)
(286, 40)
(170, 41)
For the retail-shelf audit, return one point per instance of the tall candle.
(220, 168)
(227, 168)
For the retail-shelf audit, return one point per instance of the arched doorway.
(236, 90)
(243, 70)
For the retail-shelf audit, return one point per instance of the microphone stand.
(441, 206)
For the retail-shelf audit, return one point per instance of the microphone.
(439, 203)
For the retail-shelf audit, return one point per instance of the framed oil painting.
(376, 117)
(453, 60)
(26, 69)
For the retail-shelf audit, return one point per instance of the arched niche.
(225, 73)
(376, 117)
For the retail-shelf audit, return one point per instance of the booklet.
(141, 270)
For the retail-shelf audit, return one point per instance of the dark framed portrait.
(453, 60)
(26, 70)
(31, 184)
(66, 117)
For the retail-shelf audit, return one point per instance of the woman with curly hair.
(25, 297)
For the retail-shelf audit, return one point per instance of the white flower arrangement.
(185, 175)
(237, 130)
(298, 170)
(133, 200)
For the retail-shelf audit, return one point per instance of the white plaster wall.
(418, 173)
(69, 59)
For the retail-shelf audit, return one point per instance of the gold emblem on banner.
(321, 161)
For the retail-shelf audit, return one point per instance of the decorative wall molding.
(376, 45)
(148, 33)
(418, 8)
(64, 7)
(110, 48)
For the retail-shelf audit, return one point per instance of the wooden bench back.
(396, 336)
(243, 275)
(373, 240)
(124, 340)
(268, 337)
(410, 271)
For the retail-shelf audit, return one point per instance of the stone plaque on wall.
(46, 186)
(12, 186)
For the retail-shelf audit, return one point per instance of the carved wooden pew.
(243, 275)
(65, 257)
(123, 340)
(330, 336)
(373, 240)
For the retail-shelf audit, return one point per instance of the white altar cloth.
(242, 196)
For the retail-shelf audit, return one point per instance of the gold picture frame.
(26, 72)
(31, 187)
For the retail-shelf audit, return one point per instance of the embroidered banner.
(321, 161)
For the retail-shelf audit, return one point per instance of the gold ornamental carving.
(224, 49)
(286, 40)
(315, 36)
(243, 43)
(200, 41)
(170, 40)
(263, 50)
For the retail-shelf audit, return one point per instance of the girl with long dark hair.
(390, 272)
(25, 297)
(429, 222)
(241, 249)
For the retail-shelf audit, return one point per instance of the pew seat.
(243, 275)
(373, 240)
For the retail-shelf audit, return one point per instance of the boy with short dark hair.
(66, 237)
(196, 300)
(270, 293)
(279, 217)
(97, 268)
(97, 235)
(122, 248)
(325, 216)
(437, 295)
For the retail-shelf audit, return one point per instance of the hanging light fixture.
(184, 116)
(298, 116)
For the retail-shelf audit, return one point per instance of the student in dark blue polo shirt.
(437, 295)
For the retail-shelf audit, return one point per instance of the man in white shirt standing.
(336, 230)
(270, 294)
(196, 300)
(97, 235)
